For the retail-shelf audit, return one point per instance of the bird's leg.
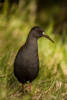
(23, 87)
(29, 86)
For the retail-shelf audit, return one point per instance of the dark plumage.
(26, 65)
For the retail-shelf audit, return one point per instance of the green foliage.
(51, 83)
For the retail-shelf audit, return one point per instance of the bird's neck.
(32, 42)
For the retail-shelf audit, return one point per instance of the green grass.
(51, 83)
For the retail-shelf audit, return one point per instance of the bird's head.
(37, 32)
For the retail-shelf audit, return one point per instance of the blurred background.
(17, 17)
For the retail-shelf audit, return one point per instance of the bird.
(26, 64)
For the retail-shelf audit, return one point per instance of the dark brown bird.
(26, 65)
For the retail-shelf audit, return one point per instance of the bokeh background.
(17, 17)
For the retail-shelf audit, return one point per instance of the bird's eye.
(38, 31)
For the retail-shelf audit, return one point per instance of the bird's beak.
(48, 37)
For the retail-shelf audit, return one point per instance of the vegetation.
(51, 83)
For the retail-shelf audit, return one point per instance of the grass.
(51, 83)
